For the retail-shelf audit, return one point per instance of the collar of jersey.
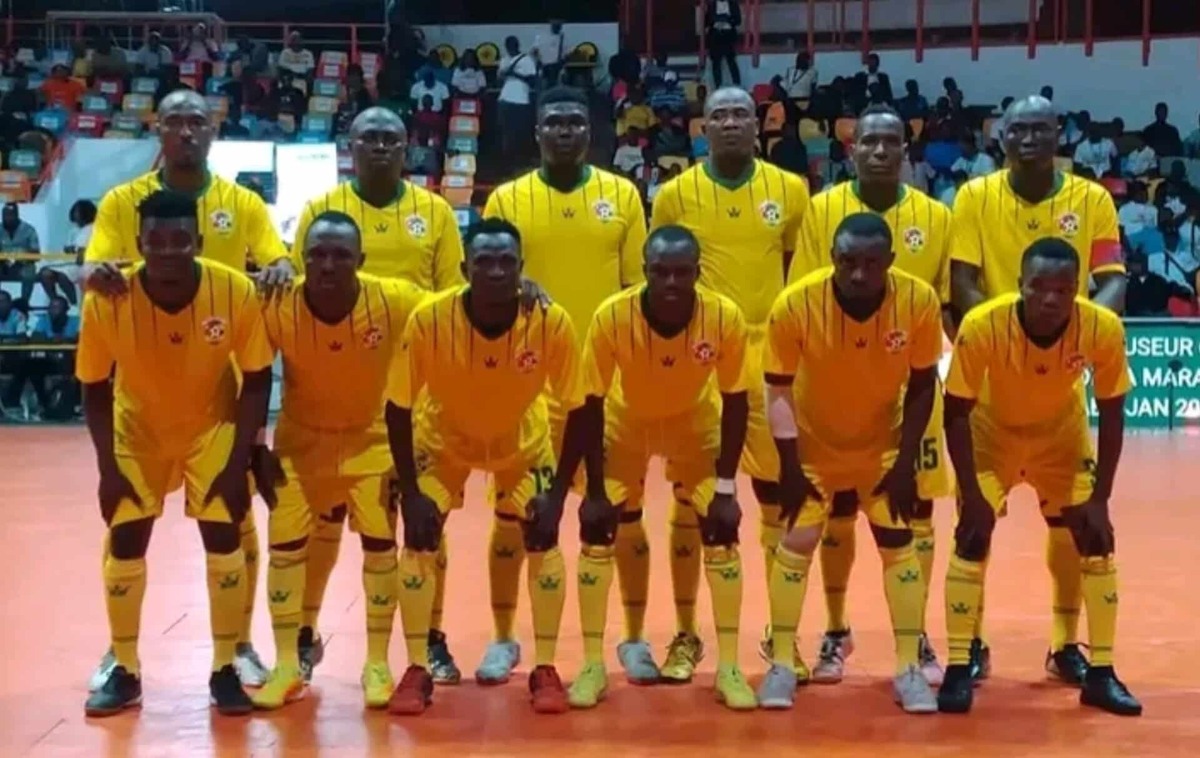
(208, 180)
(584, 177)
(400, 189)
(1060, 181)
(731, 184)
(901, 193)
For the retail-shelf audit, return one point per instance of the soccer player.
(337, 332)
(408, 233)
(1015, 413)
(173, 418)
(851, 372)
(746, 214)
(995, 219)
(479, 364)
(921, 237)
(235, 227)
(582, 232)
(653, 354)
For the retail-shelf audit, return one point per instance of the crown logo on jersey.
(372, 338)
(1041, 369)
(605, 211)
(381, 227)
(895, 340)
(914, 239)
(704, 352)
(490, 362)
(771, 213)
(1032, 224)
(1075, 363)
(335, 346)
(861, 342)
(176, 338)
(222, 221)
(668, 361)
(214, 330)
(1068, 224)
(568, 213)
(417, 226)
(527, 360)
(733, 212)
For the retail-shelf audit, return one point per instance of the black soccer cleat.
(441, 662)
(225, 693)
(981, 661)
(120, 691)
(1102, 689)
(312, 650)
(957, 692)
(1069, 665)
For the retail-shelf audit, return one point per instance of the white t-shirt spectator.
(152, 60)
(918, 175)
(439, 92)
(1134, 217)
(1189, 238)
(800, 84)
(1142, 162)
(515, 90)
(979, 165)
(1096, 155)
(947, 196)
(996, 133)
(549, 47)
(469, 81)
(629, 158)
(299, 62)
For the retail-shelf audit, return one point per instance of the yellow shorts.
(442, 476)
(861, 477)
(1060, 467)
(367, 499)
(760, 460)
(933, 466)
(155, 475)
(690, 444)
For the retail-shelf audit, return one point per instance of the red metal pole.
(650, 29)
(700, 21)
(974, 30)
(1146, 32)
(1058, 20)
(866, 27)
(920, 50)
(1089, 36)
(812, 22)
(354, 43)
(757, 5)
(1031, 40)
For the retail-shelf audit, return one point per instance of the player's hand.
(267, 472)
(545, 514)
(794, 490)
(976, 521)
(598, 519)
(115, 487)
(899, 484)
(105, 278)
(276, 279)
(231, 486)
(1091, 527)
(720, 526)
(422, 521)
(533, 296)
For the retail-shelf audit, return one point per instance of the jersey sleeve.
(494, 208)
(93, 357)
(1110, 367)
(403, 297)
(968, 361)
(966, 237)
(262, 238)
(599, 355)
(106, 243)
(302, 225)
(731, 356)
(252, 349)
(806, 250)
(797, 207)
(784, 338)
(927, 330)
(1106, 235)
(563, 369)
(407, 376)
(448, 256)
(632, 247)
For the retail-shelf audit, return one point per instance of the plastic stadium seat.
(843, 129)
(699, 146)
(219, 105)
(94, 103)
(330, 70)
(52, 120)
(144, 85)
(340, 57)
(136, 102)
(696, 127)
(488, 54)
(667, 162)
(1065, 164)
(120, 134)
(775, 119)
(463, 165)
(127, 122)
(464, 126)
(311, 138)
(419, 180)
(691, 90)
(810, 129)
(15, 186)
(942, 155)
(327, 88)
(215, 83)
(287, 122)
(87, 124)
(817, 147)
(28, 162)
(220, 69)
(464, 217)
(345, 163)
(113, 89)
(320, 104)
(370, 63)
(6, 84)
(459, 144)
(321, 123)
(190, 68)
(466, 106)
(761, 93)
(1116, 186)
(458, 189)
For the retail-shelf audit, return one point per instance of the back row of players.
(673, 367)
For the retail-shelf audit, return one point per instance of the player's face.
(731, 125)
(493, 267)
(1031, 138)
(332, 257)
(563, 133)
(1048, 291)
(186, 133)
(860, 265)
(169, 247)
(671, 273)
(879, 148)
(378, 146)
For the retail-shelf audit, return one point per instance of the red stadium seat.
(113, 89)
(465, 106)
(1182, 308)
(1115, 185)
(761, 93)
(86, 124)
(775, 119)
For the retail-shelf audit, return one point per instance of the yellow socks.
(379, 589)
(964, 602)
(285, 597)
(417, 574)
(547, 593)
(323, 545)
(439, 593)
(723, 568)
(250, 550)
(685, 563)
(125, 586)
(1100, 595)
(506, 553)
(837, 559)
(633, 570)
(226, 603)
(786, 588)
(770, 532)
(1066, 582)
(922, 530)
(595, 574)
(905, 599)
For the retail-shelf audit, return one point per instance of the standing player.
(995, 219)
(921, 235)
(1015, 413)
(481, 364)
(408, 233)
(173, 418)
(582, 232)
(746, 214)
(851, 373)
(337, 331)
(235, 228)
(653, 353)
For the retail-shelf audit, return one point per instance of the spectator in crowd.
(433, 65)
(1096, 153)
(245, 92)
(913, 104)
(1176, 262)
(634, 113)
(17, 236)
(153, 55)
(12, 320)
(670, 138)
(655, 69)
(358, 97)
(1146, 293)
(973, 162)
(1188, 225)
(625, 67)
(958, 179)
(945, 124)
(429, 122)
(550, 50)
(1141, 161)
(109, 61)
(1176, 194)
(877, 77)
(81, 59)
(198, 46)
(800, 80)
(667, 95)
(1191, 145)
(297, 58)
(1138, 213)
(916, 171)
(629, 158)
(518, 74)
(995, 143)
(839, 168)
(429, 86)
(20, 102)
(722, 19)
(13, 330)
(232, 127)
(789, 152)
(696, 107)
(1048, 92)
(82, 217)
(168, 82)
(1161, 136)
(55, 326)
(468, 79)
(286, 97)
(61, 90)
(250, 56)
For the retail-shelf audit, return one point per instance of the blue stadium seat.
(311, 138)
(53, 120)
(144, 85)
(699, 146)
(321, 123)
(26, 161)
(942, 155)
(460, 144)
(213, 85)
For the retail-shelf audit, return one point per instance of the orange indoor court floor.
(52, 631)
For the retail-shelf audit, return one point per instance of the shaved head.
(726, 97)
(1031, 135)
(1034, 106)
(377, 118)
(731, 126)
(185, 130)
(377, 142)
(183, 99)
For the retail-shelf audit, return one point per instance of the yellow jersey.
(235, 224)
(480, 390)
(174, 373)
(849, 376)
(414, 237)
(744, 229)
(992, 227)
(1025, 389)
(660, 377)
(920, 234)
(581, 246)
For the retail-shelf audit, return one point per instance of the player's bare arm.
(1110, 290)
(964, 286)
(98, 414)
(252, 409)
(900, 483)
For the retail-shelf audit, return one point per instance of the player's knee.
(923, 510)
(1094, 541)
(766, 493)
(974, 549)
(290, 546)
(719, 534)
(377, 544)
(597, 532)
(891, 539)
(129, 541)
(802, 540)
(844, 504)
(219, 538)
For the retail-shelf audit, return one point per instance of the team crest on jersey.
(704, 352)
(1068, 224)
(372, 338)
(771, 213)
(605, 211)
(213, 329)
(914, 239)
(222, 221)
(1075, 363)
(417, 226)
(527, 360)
(895, 340)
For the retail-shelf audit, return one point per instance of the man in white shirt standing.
(296, 58)
(800, 80)
(518, 71)
(1138, 213)
(429, 85)
(1096, 152)
(550, 51)
(974, 162)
